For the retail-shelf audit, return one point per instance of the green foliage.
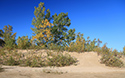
(47, 33)
(78, 45)
(116, 53)
(124, 50)
(105, 50)
(11, 61)
(9, 37)
(10, 44)
(15, 58)
(98, 50)
(60, 60)
(70, 36)
(1, 33)
(61, 35)
(2, 42)
(9, 57)
(41, 23)
(53, 36)
(92, 45)
(35, 59)
(81, 45)
(1, 69)
(56, 47)
(23, 42)
(43, 33)
(40, 14)
(111, 60)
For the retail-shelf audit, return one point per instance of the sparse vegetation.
(9, 37)
(124, 50)
(23, 42)
(82, 45)
(51, 32)
(34, 59)
(1, 69)
(112, 61)
(60, 60)
(53, 71)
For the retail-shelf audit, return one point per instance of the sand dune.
(88, 66)
(89, 62)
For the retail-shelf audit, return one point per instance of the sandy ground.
(88, 66)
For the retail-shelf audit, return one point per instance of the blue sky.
(103, 19)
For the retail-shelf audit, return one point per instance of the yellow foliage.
(124, 48)
(14, 34)
(44, 31)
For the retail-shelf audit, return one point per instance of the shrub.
(2, 43)
(105, 50)
(116, 53)
(56, 47)
(23, 42)
(98, 50)
(60, 60)
(78, 45)
(9, 37)
(11, 61)
(1, 69)
(81, 45)
(124, 50)
(53, 71)
(110, 60)
(33, 61)
(10, 58)
(15, 58)
(10, 44)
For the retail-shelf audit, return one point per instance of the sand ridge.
(88, 63)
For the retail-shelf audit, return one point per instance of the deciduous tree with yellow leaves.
(43, 33)
(42, 25)
(46, 32)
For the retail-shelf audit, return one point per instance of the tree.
(1, 32)
(23, 42)
(78, 45)
(105, 50)
(70, 36)
(41, 24)
(124, 50)
(43, 33)
(9, 37)
(59, 30)
(40, 14)
(46, 33)
(1, 36)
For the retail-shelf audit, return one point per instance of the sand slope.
(88, 65)
(89, 62)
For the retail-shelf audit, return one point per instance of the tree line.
(50, 32)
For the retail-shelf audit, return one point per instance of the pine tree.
(9, 37)
(124, 50)
(1, 36)
(1, 32)
(60, 32)
(42, 25)
(23, 42)
(40, 14)
(46, 33)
